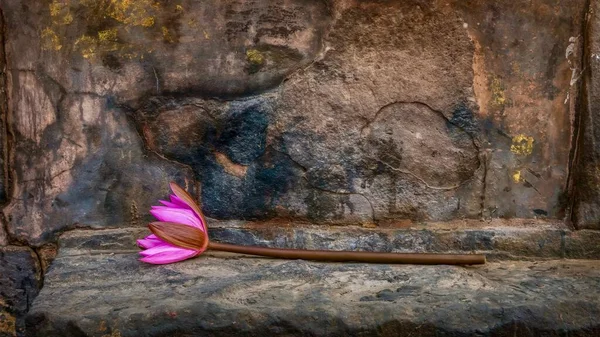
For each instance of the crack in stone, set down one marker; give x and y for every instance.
(407, 172)
(441, 114)
(343, 193)
(9, 138)
(444, 188)
(40, 273)
(147, 148)
(7, 132)
(582, 106)
(319, 56)
(310, 185)
(287, 155)
(48, 179)
(484, 185)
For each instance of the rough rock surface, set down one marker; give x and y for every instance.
(346, 112)
(512, 242)
(95, 290)
(20, 281)
(587, 180)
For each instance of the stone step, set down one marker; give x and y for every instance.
(97, 287)
(498, 239)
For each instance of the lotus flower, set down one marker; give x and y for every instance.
(181, 234)
(181, 223)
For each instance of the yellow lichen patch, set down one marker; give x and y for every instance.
(119, 22)
(193, 23)
(50, 40)
(131, 55)
(498, 94)
(255, 57)
(118, 9)
(67, 19)
(56, 7)
(7, 324)
(167, 36)
(102, 326)
(133, 12)
(60, 13)
(522, 145)
(87, 45)
(114, 333)
(516, 68)
(206, 36)
(108, 35)
(148, 22)
(516, 176)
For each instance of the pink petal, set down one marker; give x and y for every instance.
(167, 254)
(179, 202)
(163, 248)
(150, 243)
(170, 204)
(177, 215)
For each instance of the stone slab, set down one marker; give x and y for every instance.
(97, 290)
(499, 240)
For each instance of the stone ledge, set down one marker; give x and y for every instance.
(499, 240)
(97, 287)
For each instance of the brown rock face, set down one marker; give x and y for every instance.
(587, 182)
(525, 58)
(347, 112)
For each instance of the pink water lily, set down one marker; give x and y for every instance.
(181, 234)
(179, 210)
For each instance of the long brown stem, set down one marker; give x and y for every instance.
(343, 256)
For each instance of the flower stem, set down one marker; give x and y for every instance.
(346, 256)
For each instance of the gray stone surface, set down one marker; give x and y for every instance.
(96, 290)
(20, 281)
(508, 242)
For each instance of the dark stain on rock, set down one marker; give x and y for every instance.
(329, 178)
(19, 285)
(252, 197)
(244, 136)
(539, 212)
(325, 205)
(479, 240)
(236, 29)
(554, 60)
(388, 295)
(463, 118)
(112, 62)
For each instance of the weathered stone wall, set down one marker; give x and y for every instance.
(372, 113)
(331, 112)
(587, 180)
